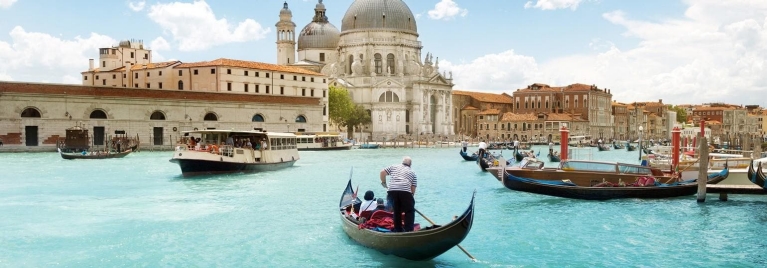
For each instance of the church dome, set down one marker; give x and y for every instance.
(319, 33)
(379, 14)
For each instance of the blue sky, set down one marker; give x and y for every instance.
(681, 51)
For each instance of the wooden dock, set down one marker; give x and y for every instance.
(723, 190)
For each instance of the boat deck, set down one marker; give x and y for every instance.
(723, 190)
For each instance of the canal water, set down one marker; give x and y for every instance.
(139, 211)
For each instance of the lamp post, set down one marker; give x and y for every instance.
(640, 142)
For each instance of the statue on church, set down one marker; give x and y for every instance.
(357, 67)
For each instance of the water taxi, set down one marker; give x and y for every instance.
(321, 142)
(228, 151)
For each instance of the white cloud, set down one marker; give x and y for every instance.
(159, 44)
(195, 27)
(714, 53)
(554, 4)
(446, 10)
(5, 77)
(36, 57)
(137, 6)
(6, 3)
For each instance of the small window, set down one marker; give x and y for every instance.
(282, 91)
(295, 78)
(312, 92)
(228, 86)
(213, 71)
(303, 78)
(282, 76)
(246, 73)
(147, 85)
(135, 75)
(257, 86)
(159, 73)
(267, 75)
(85, 78)
(323, 80)
(258, 118)
(125, 75)
(147, 74)
(303, 92)
(228, 71)
(257, 74)
(246, 87)
(98, 114)
(312, 80)
(104, 82)
(97, 77)
(323, 93)
(180, 85)
(131, 55)
(210, 117)
(267, 89)
(322, 57)
(180, 73)
(135, 85)
(157, 115)
(160, 85)
(195, 72)
(103, 64)
(114, 76)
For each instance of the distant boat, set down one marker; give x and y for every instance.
(321, 142)
(93, 155)
(467, 157)
(368, 146)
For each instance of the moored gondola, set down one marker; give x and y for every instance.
(94, 155)
(424, 244)
(756, 175)
(630, 147)
(638, 189)
(467, 157)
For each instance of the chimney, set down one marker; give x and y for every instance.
(90, 64)
(660, 100)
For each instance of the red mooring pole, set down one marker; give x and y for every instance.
(563, 140)
(675, 134)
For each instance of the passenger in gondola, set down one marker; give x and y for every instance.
(551, 148)
(370, 202)
(380, 205)
(401, 188)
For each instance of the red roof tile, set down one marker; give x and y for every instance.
(490, 112)
(486, 97)
(250, 65)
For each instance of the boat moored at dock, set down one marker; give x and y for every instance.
(321, 142)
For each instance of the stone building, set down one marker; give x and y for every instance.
(468, 105)
(621, 120)
(538, 128)
(378, 58)
(33, 117)
(585, 101)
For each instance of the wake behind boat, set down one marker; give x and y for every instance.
(225, 151)
(424, 244)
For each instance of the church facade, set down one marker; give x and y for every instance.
(378, 58)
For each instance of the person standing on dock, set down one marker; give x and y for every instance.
(401, 188)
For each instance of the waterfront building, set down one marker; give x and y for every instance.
(468, 105)
(580, 100)
(620, 120)
(378, 58)
(656, 124)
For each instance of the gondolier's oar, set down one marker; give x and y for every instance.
(459, 245)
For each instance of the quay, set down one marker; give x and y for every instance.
(723, 190)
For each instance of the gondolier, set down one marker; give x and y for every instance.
(464, 144)
(401, 188)
(551, 147)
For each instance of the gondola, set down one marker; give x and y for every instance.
(424, 244)
(603, 147)
(617, 146)
(94, 155)
(756, 175)
(368, 146)
(630, 147)
(518, 156)
(467, 157)
(553, 158)
(568, 189)
(483, 164)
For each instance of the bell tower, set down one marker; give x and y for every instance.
(286, 37)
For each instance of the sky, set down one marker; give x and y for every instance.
(677, 51)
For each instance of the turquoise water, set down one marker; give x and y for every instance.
(139, 211)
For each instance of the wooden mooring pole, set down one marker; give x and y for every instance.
(703, 164)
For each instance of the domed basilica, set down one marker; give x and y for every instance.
(377, 57)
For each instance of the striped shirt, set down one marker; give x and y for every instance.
(402, 178)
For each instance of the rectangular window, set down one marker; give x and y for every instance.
(85, 78)
(228, 86)
(303, 78)
(282, 76)
(213, 71)
(312, 80)
(180, 73)
(282, 91)
(312, 92)
(160, 73)
(246, 87)
(146, 56)
(135, 85)
(160, 85)
(267, 89)
(246, 73)
(147, 74)
(295, 78)
(125, 76)
(323, 80)
(195, 72)
(147, 85)
(114, 76)
(97, 77)
(104, 82)
(303, 92)
(135, 75)
(267, 75)
(228, 71)
(323, 93)
(257, 86)
(103, 64)
(131, 55)
(322, 57)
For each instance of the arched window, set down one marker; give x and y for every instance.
(257, 118)
(30, 112)
(157, 115)
(351, 60)
(388, 96)
(300, 119)
(210, 117)
(390, 63)
(98, 114)
(180, 85)
(378, 63)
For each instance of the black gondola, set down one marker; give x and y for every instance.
(630, 147)
(617, 146)
(603, 147)
(467, 157)
(553, 158)
(518, 156)
(568, 189)
(756, 175)
(424, 244)
(94, 155)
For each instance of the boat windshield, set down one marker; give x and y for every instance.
(630, 169)
(587, 166)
